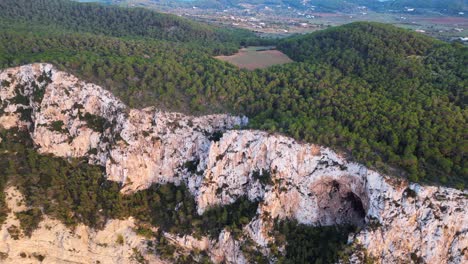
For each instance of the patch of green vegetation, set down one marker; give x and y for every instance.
(309, 244)
(93, 151)
(96, 123)
(172, 253)
(357, 250)
(29, 220)
(38, 256)
(4, 210)
(38, 94)
(263, 176)
(138, 257)
(373, 223)
(251, 252)
(173, 209)
(72, 192)
(45, 77)
(164, 248)
(145, 232)
(233, 217)
(377, 102)
(192, 165)
(57, 126)
(120, 239)
(5, 83)
(20, 98)
(410, 193)
(14, 232)
(26, 114)
(416, 259)
(216, 136)
(3, 255)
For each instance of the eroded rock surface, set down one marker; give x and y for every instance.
(312, 184)
(52, 242)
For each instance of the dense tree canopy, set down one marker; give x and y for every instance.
(406, 94)
(306, 244)
(385, 95)
(116, 21)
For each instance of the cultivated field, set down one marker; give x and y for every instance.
(252, 58)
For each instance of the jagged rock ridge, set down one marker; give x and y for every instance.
(312, 184)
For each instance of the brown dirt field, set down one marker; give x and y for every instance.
(328, 15)
(447, 20)
(253, 59)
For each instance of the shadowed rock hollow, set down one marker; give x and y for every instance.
(338, 203)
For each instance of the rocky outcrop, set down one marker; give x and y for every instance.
(52, 242)
(71, 118)
(224, 249)
(429, 224)
(399, 221)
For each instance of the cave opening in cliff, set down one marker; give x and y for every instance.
(340, 202)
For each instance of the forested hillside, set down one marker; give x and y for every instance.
(115, 21)
(141, 72)
(411, 100)
(451, 6)
(385, 95)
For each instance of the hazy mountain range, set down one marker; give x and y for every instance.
(331, 5)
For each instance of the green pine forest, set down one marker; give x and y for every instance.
(392, 99)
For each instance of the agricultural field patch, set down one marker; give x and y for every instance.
(252, 58)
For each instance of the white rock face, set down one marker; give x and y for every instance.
(306, 182)
(432, 225)
(225, 249)
(78, 119)
(58, 244)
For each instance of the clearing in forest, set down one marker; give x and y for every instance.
(252, 58)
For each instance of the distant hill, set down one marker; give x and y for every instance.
(115, 21)
(455, 5)
(339, 5)
(402, 71)
(363, 39)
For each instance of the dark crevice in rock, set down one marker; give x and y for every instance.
(340, 202)
(356, 204)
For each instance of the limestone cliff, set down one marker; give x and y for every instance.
(219, 163)
(52, 242)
